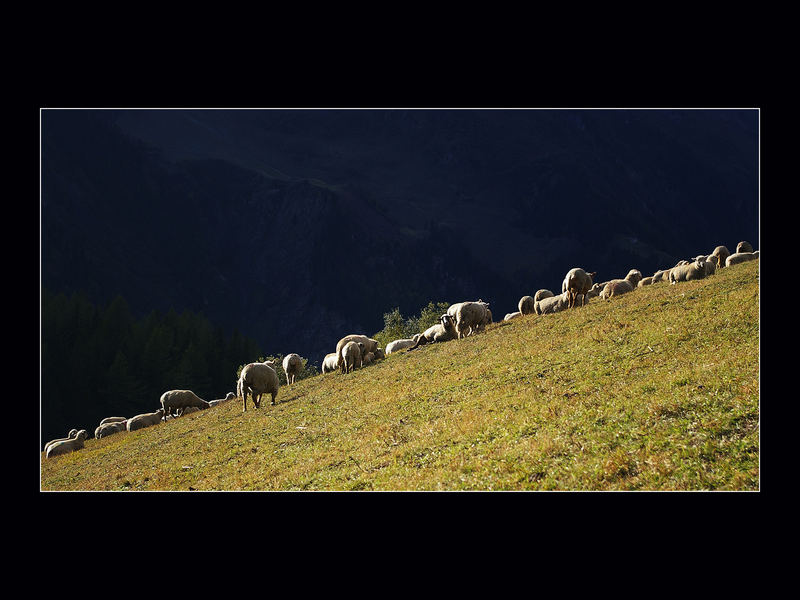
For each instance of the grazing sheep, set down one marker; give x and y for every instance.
(577, 282)
(107, 429)
(595, 290)
(292, 365)
(402, 343)
(329, 363)
(722, 253)
(542, 294)
(352, 355)
(380, 354)
(113, 420)
(443, 331)
(695, 270)
(645, 281)
(368, 358)
(743, 247)
(554, 304)
(525, 305)
(70, 436)
(471, 317)
(740, 257)
(67, 446)
(174, 400)
(370, 345)
(513, 315)
(186, 411)
(145, 420)
(228, 396)
(258, 378)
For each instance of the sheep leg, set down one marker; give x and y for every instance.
(274, 394)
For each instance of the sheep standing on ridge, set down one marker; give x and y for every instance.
(174, 400)
(722, 253)
(258, 379)
(113, 420)
(352, 355)
(577, 282)
(743, 247)
(471, 317)
(542, 294)
(67, 446)
(70, 436)
(329, 363)
(443, 331)
(525, 305)
(145, 420)
(292, 365)
(370, 345)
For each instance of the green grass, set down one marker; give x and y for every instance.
(654, 390)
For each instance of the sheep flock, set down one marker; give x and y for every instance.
(357, 351)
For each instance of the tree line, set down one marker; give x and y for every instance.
(101, 361)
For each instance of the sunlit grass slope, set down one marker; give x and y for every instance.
(654, 390)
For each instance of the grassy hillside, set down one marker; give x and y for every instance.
(655, 390)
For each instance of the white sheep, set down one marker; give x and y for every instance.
(402, 343)
(370, 345)
(443, 331)
(661, 275)
(330, 363)
(174, 400)
(542, 294)
(722, 253)
(554, 304)
(67, 446)
(513, 315)
(577, 282)
(113, 420)
(145, 420)
(525, 305)
(228, 396)
(257, 379)
(292, 365)
(645, 281)
(112, 427)
(352, 356)
(616, 287)
(740, 257)
(688, 272)
(471, 317)
(743, 247)
(70, 436)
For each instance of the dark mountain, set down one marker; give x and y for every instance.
(297, 227)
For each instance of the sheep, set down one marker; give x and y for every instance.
(70, 436)
(107, 429)
(645, 281)
(661, 275)
(174, 400)
(616, 287)
(695, 270)
(258, 378)
(525, 305)
(577, 282)
(292, 365)
(145, 420)
(113, 420)
(186, 411)
(370, 345)
(67, 446)
(379, 354)
(542, 294)
(513, 315)
(740, 257)
(722, 253)
(228, 396)
(329, 363)
(595, 290)
(402, 343)
(368, 358)
(554, 304)
(471, 317)
(443, 331)
(743, 247)
(352, 355)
